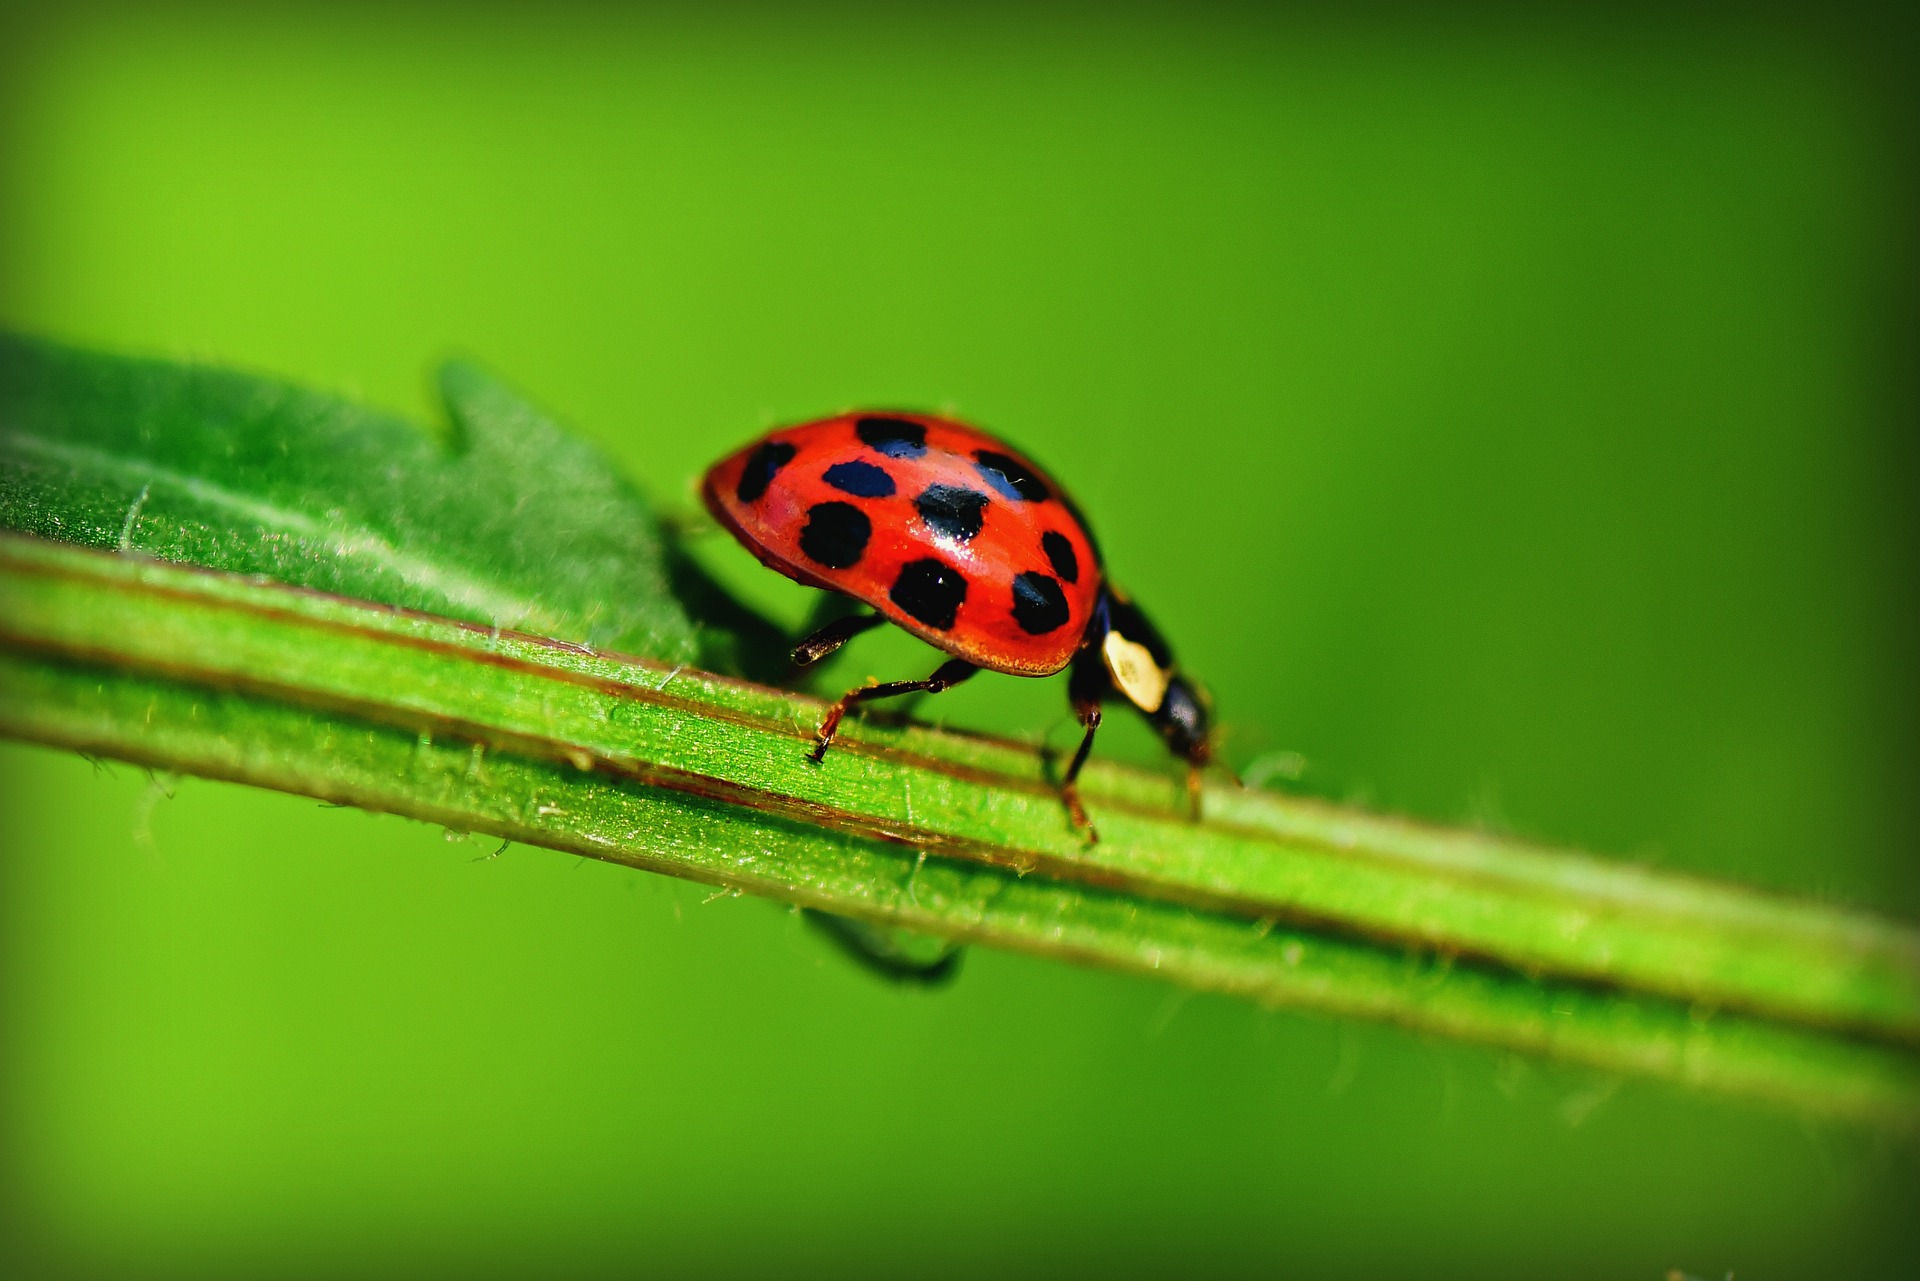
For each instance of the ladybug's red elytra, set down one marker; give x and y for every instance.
(956, 537)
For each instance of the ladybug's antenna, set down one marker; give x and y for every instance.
(1197, 770)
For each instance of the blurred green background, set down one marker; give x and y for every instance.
(1511, 417)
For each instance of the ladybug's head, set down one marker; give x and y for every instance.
(1185, 721)
(1140, 664)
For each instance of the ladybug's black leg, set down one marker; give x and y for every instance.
(1088, 687)
(833, 636)
(1089, 714)
(951, 673)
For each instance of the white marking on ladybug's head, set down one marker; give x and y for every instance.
(1134, 672)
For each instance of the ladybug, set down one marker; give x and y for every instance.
(955, 536)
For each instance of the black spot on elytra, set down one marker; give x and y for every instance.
(761, 466)
(930, 592)
(1060, 554)
(836, 535)
(862, 480)
(952, 510)
(1039, 605)
(894, 437)
(1010, 476)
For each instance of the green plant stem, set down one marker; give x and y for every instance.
(677, 771)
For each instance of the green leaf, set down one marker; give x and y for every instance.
(648, 761)
(505, 520)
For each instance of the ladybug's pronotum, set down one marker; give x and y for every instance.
(954, 536)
